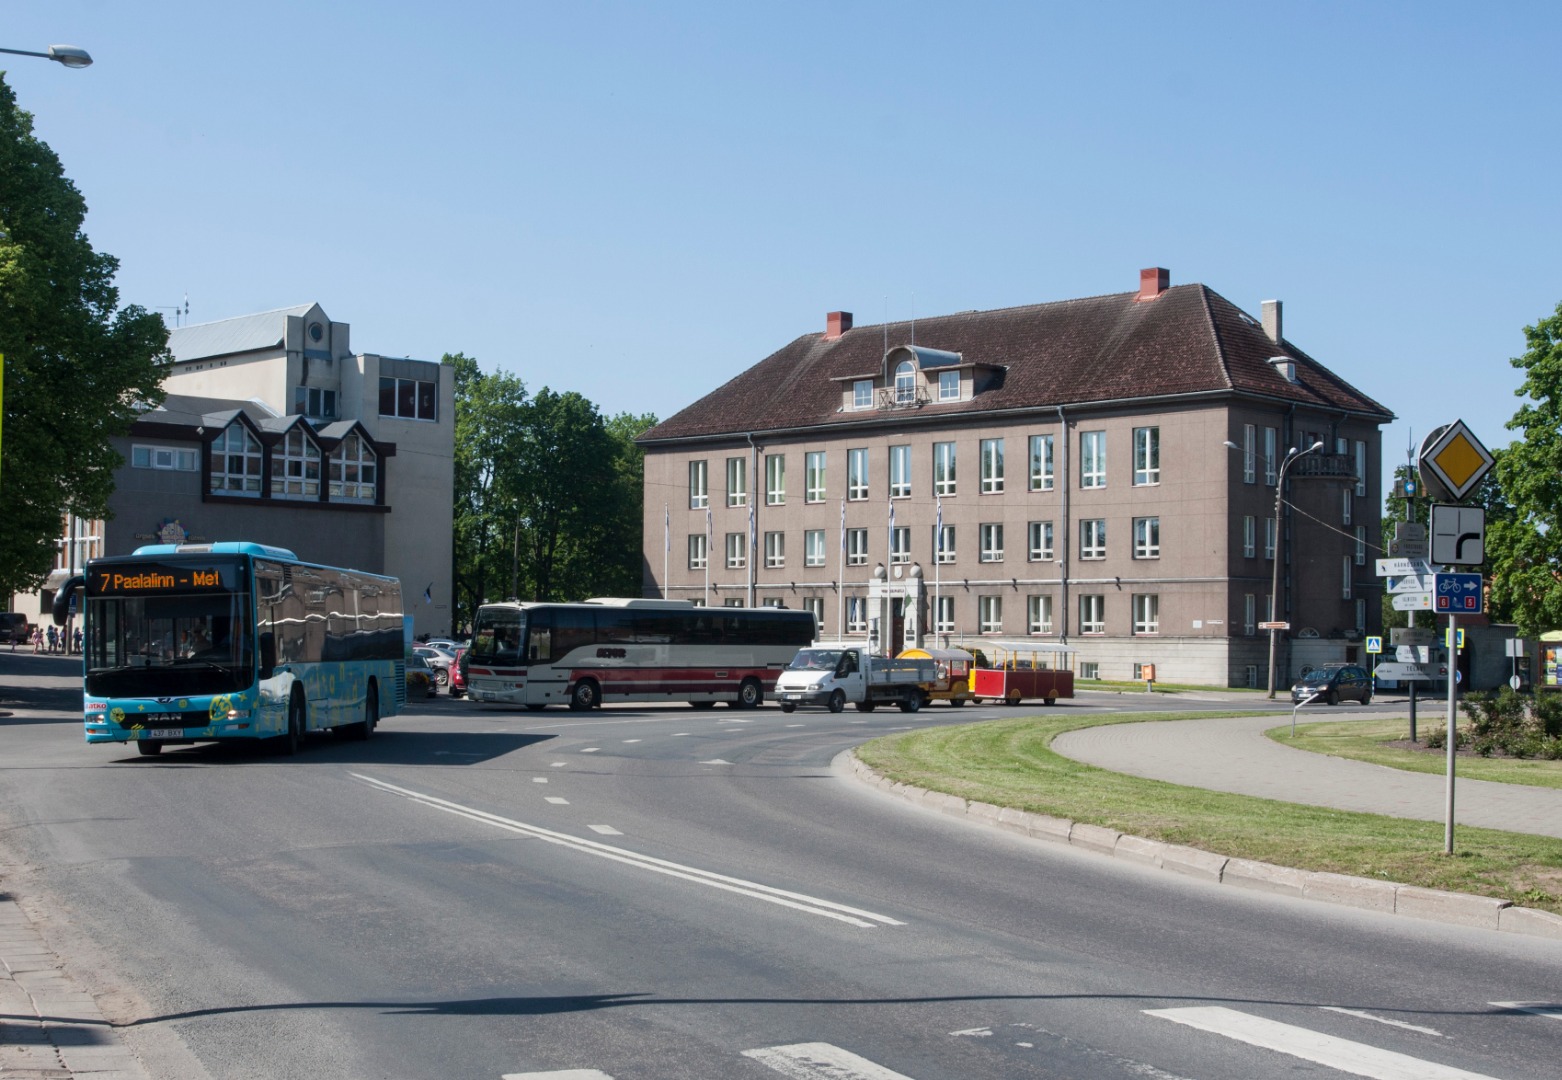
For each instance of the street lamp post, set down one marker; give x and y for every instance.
(68, 55)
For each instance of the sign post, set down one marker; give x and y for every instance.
(1452, 740)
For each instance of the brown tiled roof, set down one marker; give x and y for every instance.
(1188, 340)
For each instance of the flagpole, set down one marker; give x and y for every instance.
(938, 564)
(708, 556)
(840, 592)
(667, 545)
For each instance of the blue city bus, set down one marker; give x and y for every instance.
(195, 642)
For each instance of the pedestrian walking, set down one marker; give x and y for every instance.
(53, 639)
(77, 648)
(37, 640)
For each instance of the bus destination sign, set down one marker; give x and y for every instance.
(159, 578)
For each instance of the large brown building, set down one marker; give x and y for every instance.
(1099, 473)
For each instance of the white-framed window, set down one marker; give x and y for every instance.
(1092, 613)
(775, 549)
(737, 550)
(1361, 468)
(1249, 454)
(699, 551)
(315, 402)
(732, 601)
(1147, 538)
(1348, 569)
(1147, 456)
(944, 615)
(1269, 538)
(1040, 536)
(1249, 614)
(354, 469)
(813, 476)
(991, 534)
(814, 605)
(409, 399)
(944, 546)
(1089, 669)
(1249, 536)
(856, 547)
(1092, 538)
(948, 386)
(737, 481)
(1347, 505)
(989, 614)
(173, 458)
(1041, 473)
(295, 467)
(1038, 614)
(857, 474)
(992, 466)
(1271, 457)
(775, 479)
(699, 486)
(1092, 459)
(1147, 613)
(905, 383)
(943, 468)
(862, 394)
(236, 461)
(813, 547)
(900, 472)
(900, 544)
(856, 614)
(772, 601)
(1361, 545)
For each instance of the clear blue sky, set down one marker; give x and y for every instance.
(638, 201)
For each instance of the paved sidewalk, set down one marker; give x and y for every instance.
(1232, 754)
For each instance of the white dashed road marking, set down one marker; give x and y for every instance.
(555, 800)
(821, 1061)
(716, 761)
(567, 1074)
(605, 830)
(810, 905)
(591, 750)
(1383, 1020)
(539, 779)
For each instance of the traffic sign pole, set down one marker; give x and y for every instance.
(1451, 738)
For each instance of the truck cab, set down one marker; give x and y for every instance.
(823, 676)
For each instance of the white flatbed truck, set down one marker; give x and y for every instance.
(832, 676)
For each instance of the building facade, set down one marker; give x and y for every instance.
(1098, 473)
(275, 431)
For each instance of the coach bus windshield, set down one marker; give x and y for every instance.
(163, 631)
(497, 637)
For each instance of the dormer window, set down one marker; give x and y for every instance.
(948, 386)
(353, 471)
(295, 467)
(862, 394)
(236, 462)
(905, 383)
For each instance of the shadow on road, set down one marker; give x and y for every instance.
(325, 748)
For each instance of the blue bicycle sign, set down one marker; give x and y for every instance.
(1457, 594)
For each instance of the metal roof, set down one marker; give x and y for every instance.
(246, 333)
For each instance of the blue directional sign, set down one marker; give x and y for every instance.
(1457, 594)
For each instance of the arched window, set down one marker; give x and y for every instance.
(354, 470)
(905, 383)
(236, 461)
(295, 467)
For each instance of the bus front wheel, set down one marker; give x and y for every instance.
(585, 696)
(148, 747)
(750, 694)
(371, 716)
(293, 738)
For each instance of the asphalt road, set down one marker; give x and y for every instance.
(658, 893)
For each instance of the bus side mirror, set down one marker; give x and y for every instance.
(268, 655)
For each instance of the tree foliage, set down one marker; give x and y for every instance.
(1523, 543)
(76, 364)
(548, 494)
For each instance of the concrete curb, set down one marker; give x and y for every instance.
(49, 1027)
(1459, 909)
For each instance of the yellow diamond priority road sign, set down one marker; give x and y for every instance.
(1455, 459)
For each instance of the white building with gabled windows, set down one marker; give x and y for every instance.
(275, 431)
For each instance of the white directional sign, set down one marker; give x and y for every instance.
(1458, 535)
(1413, 601)
(1413, 654)
(1401, 567)
(1400, 672)
(1410, 583)
(1412, 635)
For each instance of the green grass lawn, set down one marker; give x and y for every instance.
(1363, 740)
(1009, 762)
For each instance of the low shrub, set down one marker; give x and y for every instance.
(1509, 724)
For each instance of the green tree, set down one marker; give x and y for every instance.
(1522, 546)
(77, 366)
(490, 420)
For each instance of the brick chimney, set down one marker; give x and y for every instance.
(1153, 281)
(836, 323)
(1271, 320)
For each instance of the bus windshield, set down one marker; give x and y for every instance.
(498, 635)
(159, 641)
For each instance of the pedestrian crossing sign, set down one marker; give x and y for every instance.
(1374, 643)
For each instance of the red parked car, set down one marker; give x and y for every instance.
(458, 673)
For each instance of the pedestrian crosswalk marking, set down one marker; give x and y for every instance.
(1358, 1059)
(567, 1074)
(820, 1061)
(1536, 1008)
(1383, 1020)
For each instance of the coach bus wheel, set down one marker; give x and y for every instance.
(294, 738)
(750, 694)
(585, 696)
(371, 716)
(837, 701)
(149, 747)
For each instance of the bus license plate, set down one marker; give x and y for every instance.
(164, 733)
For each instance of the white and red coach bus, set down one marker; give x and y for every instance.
(580, 655)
